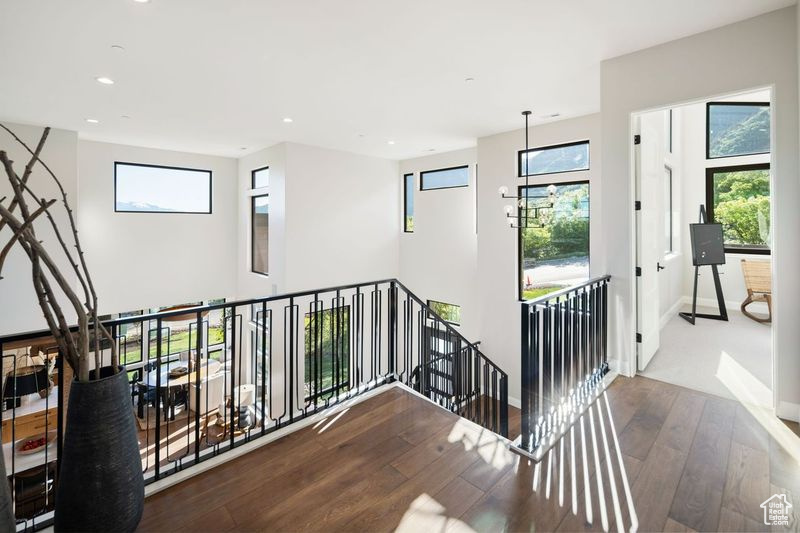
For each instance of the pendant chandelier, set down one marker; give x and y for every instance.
(527, 203)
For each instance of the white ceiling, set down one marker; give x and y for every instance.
(214, 76)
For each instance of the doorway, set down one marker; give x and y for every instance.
(714, 153)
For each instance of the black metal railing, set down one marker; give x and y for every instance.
(564, 359)
(207, 379)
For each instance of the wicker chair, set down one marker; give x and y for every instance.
(758, 281)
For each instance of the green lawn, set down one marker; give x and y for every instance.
(530, 294)
(178, 342)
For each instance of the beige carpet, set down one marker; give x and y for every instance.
(729, 359)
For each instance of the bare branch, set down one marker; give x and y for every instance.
(23, 228)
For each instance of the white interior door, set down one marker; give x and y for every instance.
(650, 186)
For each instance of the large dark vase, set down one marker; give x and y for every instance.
(100, 484)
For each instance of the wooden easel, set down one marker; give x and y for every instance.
(723, 312)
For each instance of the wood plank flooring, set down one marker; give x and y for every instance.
(646, 455)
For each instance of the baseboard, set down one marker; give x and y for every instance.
(758, 307)
(788, 411)
(666, 317)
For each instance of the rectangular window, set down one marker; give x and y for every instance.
(260, 178)
(569, 157)
(554, 245)
(259, 246)
(739, 199)
(448, 312)
(737, 128)
(408, 203)
(668, 244)
(142, 188)
(444, 178)
(669, 131)
(327, 354)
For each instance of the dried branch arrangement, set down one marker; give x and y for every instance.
(18, 213)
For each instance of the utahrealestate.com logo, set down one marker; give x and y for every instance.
(776, 510)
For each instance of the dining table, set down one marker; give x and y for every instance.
(167, 387)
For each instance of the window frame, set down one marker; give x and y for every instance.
(405, 201)
(253, 199)
(433, 171)
(166, 167)
(428, 303)
(587, 142)
(708, 128)
(336, 387)
(253, 178)
(520, 269)
(671, 240)
(710, 171)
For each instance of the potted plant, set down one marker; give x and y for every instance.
(100, 486)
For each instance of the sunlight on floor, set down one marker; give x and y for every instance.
(757, 399)
(489, 446)
(426, 514)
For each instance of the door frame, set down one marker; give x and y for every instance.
(633, 235)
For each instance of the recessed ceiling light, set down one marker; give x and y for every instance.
(431, 149)
(117, 47)
(288, 120)
(390, 142)
(104, 80)
(243, 148)
(141, 1)
(469, 79)
(126, 116)
(92, 121)
(554, 115)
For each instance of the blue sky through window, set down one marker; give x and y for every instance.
(159, 189)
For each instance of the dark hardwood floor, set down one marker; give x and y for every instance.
(646, 454)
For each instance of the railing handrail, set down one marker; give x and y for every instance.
(199, 308)
(566, 290)
(450, 327)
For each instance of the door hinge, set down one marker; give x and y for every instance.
(638, 271)
(637, 205)
(639, 337)
(637, 139)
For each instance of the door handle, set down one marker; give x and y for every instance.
(659, 268)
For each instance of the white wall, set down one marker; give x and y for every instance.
(497, 244)
(694, 194)
(438, 261)
(144, 260)
(754, 53)
(250, 284)
(342, 218)
(19, 310)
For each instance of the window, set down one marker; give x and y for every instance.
(260, 178)
(737, 128)
(155, 189)
(259, 221)
(668, 244)
(445, 178)
(327, 357)
(408, 203)
(569, 157)
(448, 312)
(554, 247)
(669, 131)
(739, 198)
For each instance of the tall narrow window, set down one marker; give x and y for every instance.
(737, 128)
(554, 247)
(327, 353)
(739, 199)
(408, 203)
(259, 218)
(668, 244)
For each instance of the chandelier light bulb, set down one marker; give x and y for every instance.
(552, 190)
(503, 190)
(508, 209)
(521, 203)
